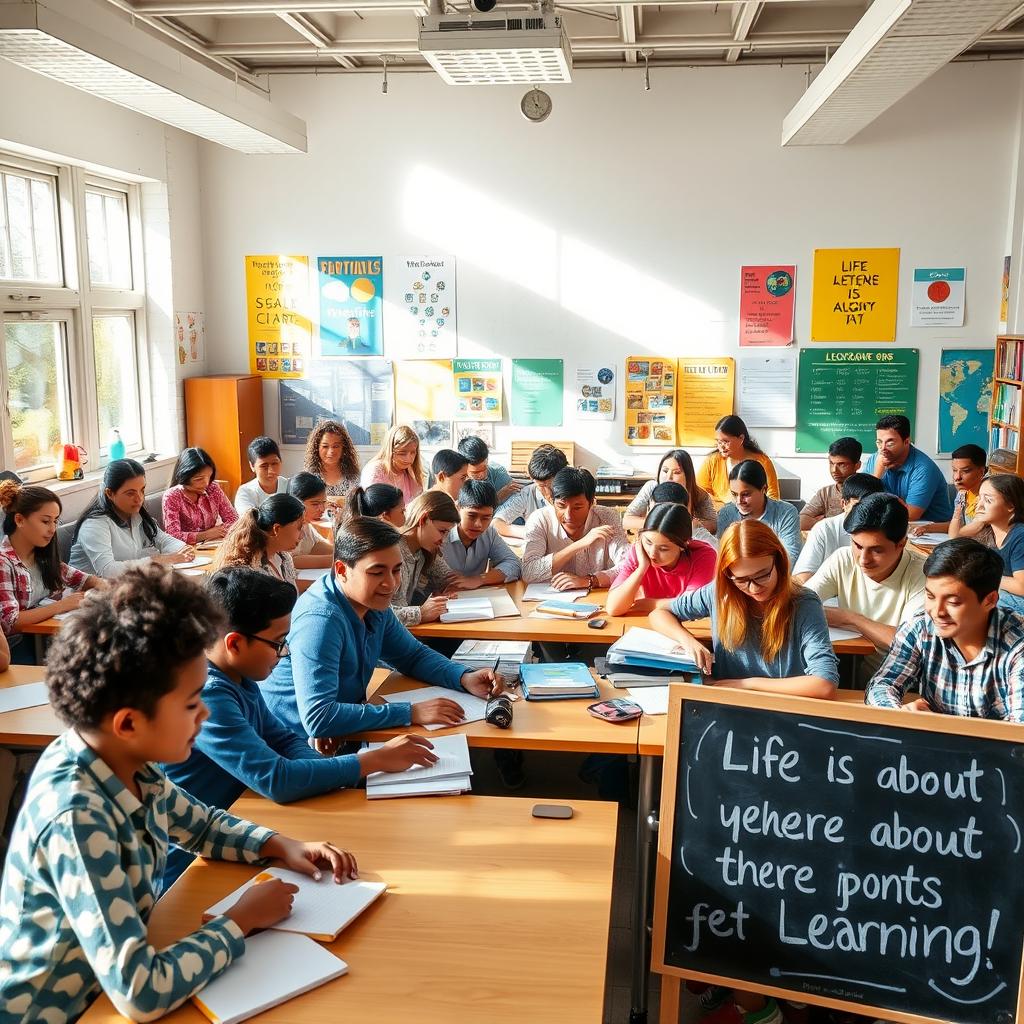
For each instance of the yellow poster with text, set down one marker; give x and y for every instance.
(854, 295)
(277, 303)
(706, 388)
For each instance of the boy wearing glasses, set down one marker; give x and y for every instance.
(907, 472)
(242, 745)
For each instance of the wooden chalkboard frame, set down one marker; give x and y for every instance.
(841, 711)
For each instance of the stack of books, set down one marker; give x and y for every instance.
(558, 681)
(645, 649)
(626, 677)
(509, 655)
(448, 776)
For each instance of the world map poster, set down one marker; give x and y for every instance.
(965, 394)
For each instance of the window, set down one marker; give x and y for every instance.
(110, 257)
(117, 392)
(29, 245)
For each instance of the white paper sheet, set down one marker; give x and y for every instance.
(28, 695)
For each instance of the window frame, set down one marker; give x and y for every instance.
(20, 166)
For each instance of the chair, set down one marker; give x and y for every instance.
(155, 506)
(65, 536)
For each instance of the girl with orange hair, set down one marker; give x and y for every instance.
(768, 632)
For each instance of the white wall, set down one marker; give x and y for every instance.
(620, 224)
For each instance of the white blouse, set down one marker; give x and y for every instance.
(105, 549)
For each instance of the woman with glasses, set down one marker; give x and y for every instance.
(733, 445)
(769, 633)
(748, 491)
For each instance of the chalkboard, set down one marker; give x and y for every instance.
(843, 392)
(880, 866)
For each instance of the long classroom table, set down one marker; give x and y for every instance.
(30, 727)
(490, 915)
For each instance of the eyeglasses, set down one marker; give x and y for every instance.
(280, 646)
(750, 582)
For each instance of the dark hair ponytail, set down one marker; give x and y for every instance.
(17, 500)
(672, 521)
(115, 476)
(374, 501)
(306, 485)
(246, 541)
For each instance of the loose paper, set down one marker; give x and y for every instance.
(767, 391)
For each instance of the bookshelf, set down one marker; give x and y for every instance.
(1005, 414)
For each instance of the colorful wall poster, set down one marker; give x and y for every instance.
(420, 308)
(595, 393)
(1004, 294)
(854, 295)
(965, 396)
(357, 392)
(277, 306)
(477, 389)
(766, 391)
(938, 297)
(423, 399)
(705, 396)
(767, 305)
(650, 400)
(351, 304)
(485, 431)
(537, 386)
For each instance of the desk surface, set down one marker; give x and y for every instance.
(562, 725)
(480, 894)
(30, 727)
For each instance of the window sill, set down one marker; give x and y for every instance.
(90, 482)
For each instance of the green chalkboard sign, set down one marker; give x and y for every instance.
(843, 392)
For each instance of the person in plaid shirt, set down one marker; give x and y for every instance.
(30, 567)
(194, 506)
(964, 654)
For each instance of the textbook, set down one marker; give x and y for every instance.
(467, 609)
(320, 910)
(567, 609)
(454, 785)
(558, 680)
(623, 676)
(509, 654)
(645, 647)
(277, 966)
(452, 762)
(473, 707)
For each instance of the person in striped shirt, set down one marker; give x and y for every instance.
(964, 654)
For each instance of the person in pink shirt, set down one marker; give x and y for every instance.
(194, 507)
(663, 563)
(397, 463)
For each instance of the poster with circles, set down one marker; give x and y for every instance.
(351, 295)
(421, 320)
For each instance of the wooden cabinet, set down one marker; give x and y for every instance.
(1005, 450)
(223, 414)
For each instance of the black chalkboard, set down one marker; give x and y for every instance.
(871, 864)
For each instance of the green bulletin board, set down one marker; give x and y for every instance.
(843, 392)
(537, 388)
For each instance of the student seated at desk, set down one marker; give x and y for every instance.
(84, 867)
(481, 468)
(769, 633)
(664, 561)
(968, 469)
(30, 567)
(748, 486)
(450, 470)
(907, 472)
(733, 445)
(312, 551)
(116, 531)
(264, 538)
(1001, 508)
(545, 462)
(574, 542)
(331, 455)
(342, 627)
(878, 580)
(675, 466)
(964, 654)
(242, 745)
(474, 544)
(265, 462)
(843, 461)
(194, 506)
(828, 535)
(378, 501)
(397, 463)
(419, 596)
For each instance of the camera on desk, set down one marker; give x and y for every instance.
(499, 711)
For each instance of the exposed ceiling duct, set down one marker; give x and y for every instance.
(895, 46)
(90, 46)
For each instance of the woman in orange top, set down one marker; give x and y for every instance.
(733, 445)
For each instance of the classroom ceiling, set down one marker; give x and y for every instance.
(253, 38)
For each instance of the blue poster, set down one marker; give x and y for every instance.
(965, 394)
(351, 301)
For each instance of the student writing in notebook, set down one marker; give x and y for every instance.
(83, 872)
(313, 551)
(265, 537)
(426, 576)
(194, 507)
(474, 550)
(242, 745)
(342, 627)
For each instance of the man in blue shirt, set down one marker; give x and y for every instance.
(908, 473)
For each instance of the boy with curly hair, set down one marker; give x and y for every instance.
(89, 847)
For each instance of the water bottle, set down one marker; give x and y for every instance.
(116, 445)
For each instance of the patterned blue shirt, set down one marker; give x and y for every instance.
(989, 686)
(81, 878)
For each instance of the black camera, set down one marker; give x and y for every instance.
(499, 711)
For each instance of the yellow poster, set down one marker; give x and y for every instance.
(650, 400)
(705, 395)
(854, 295)
(424, 399)
(278, 302)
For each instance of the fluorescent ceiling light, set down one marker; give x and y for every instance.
(110, 58)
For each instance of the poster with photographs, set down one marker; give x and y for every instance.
(420, 308)
(477, 389)
(650, 400)
(485, 431)
(595, 393)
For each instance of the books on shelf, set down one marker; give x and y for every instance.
(509, 654)
(1006, 404)
(558, 680)
(448, 775)
(645, 647)
(1011, 360)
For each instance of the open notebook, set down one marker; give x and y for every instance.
(276, 967)
(485, 603)
(473, 707)
(320, 909)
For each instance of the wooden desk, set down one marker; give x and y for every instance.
(30, 727)
(554, 725)
(491, 915)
